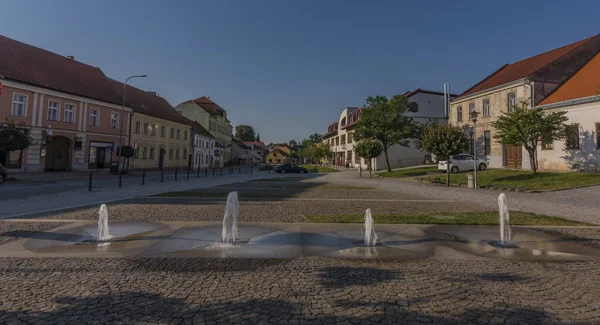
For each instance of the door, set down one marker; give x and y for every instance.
(100, 157)
(514, 156)
(161, 158)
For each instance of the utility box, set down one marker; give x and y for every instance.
(114, 167)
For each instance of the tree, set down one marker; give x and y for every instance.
(321, 151)
(258, 137)
(369, 149)
(445, 141)
(244, 133)
(529, 127)
(15, 137)
(385, 120)
(292, 143)
(314, 138)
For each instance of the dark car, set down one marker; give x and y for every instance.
(290, 168)
(3, 174)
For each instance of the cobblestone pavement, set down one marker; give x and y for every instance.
(317, 291)
(10, 231)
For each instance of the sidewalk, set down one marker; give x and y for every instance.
(81, 198)
(55, 176)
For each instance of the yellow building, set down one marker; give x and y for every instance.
(160, 136)
(277, 156)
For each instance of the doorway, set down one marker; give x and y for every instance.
(514, 156)
(161, 158)
(58, 154)
(100, 157)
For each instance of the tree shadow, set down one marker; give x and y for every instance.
(587, 157)
(340, 277)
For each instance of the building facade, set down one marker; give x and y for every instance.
(204, 147)
(340, 134)
(258, 151)
(241, 153)
(542, 81)
(277, 156)
(74, 117)
(213, 118)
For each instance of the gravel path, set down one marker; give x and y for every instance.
(10, 230)
(301, 291)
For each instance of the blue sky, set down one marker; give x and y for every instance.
(288, 68)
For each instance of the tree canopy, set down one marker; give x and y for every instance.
(445, 141)
(369, 149)
(386, 120)
(315, 138)
(14, 137)
(245, 133)
(258, 137)
(529, 128)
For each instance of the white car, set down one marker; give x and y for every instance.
(461, 163)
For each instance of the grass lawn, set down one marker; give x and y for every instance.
(319, 169)
(408, 172)
(224, 195)
(469, 218)
(528, 180)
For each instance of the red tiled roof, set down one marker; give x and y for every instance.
(35, 66)
(583, 84)
(256, 143)
(523, 68)
(147, 103)
(208, 105)
(283, 153)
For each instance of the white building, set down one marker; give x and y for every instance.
(204, 148)
(257, 151)
(340, 133)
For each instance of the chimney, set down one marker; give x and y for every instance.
(70, 57)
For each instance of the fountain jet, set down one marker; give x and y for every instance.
(370, 235)
(103, 231)
(232, 211)
(505, 233)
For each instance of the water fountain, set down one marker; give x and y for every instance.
(232, 211)
(505, 233)
(370, 235)
(103, 231)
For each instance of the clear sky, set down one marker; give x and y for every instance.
(288, 68)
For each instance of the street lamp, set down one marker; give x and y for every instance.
(473, 116)
(122, 118)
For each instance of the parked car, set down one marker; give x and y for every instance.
(290, 168)
(461, 163)
(3, 174)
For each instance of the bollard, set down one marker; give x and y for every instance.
(221, 171)
(90, 184)
(162, 175)
(143, 177)
(120, 179)
(206, 172)
(176, 170)
(188, 173)
(198, 176)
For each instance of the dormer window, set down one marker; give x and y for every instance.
(351, 118)
(343, 121)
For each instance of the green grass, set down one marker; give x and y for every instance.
(408, 172)
(224, 195)
(282, 179)
(319, 169)
(469, 218)
(528, 180)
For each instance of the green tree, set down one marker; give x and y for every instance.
(244, 133)
(529, 127)
(15, 137)
(444, 141)
(258, 137)
(369, 149)
(321, 151)
(314, 138)
(386, 120)
(292, 143)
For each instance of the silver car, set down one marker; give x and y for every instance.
(461, 163)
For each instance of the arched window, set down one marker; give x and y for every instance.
(343, 121)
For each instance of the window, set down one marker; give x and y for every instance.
(184, 154)
(184, 135)
(178, 133)
(145, 128)
(144, 152)
(94, 115)
(486, 107)
(598, 135)
(211, 145)
(349, 138)
(343, 121)
(512, 101)
(114, 120)
(137, 127)
(53, 110)
(136, 154)
(153, 130)
(573, 137)
(459, 114)
(487, 142)
(547, 144)
(19, 105)
(471, 107)
(171, 153)
(206, 159)
(177, 154)
(162, 131)
(172, 133)
(69, 113)
(151, 153)
(343, 139)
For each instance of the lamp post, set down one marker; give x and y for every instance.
(122, 118)
(473, 116)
